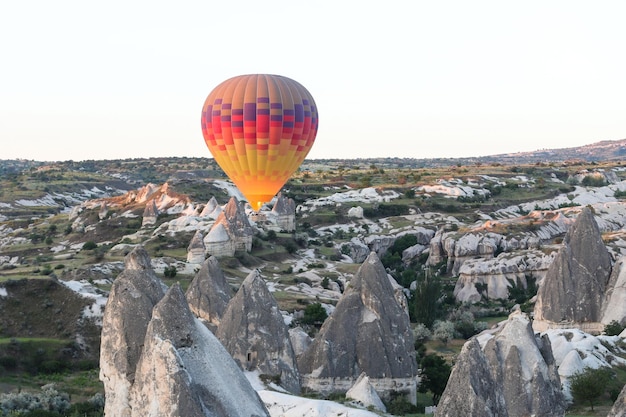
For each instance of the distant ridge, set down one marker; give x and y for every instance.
(603, 151)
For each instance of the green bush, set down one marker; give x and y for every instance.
(169, 271)
(614, 328)
(90, 245)
(314, 314)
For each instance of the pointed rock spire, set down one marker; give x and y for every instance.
(209, 293)
(253, 330)
(182, 368)
(471, 389)
(572, 292)
(128, 311)
(196, 248)
(368, 332)
(512, 374)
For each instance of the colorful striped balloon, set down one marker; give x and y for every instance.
(259, 129)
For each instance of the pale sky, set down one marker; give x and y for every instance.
(424, 79)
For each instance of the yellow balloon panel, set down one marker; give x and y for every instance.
(259, 128)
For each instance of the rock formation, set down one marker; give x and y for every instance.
(456, 248)
(212, 209)
(185, 372)
(619, 407)
(363, 393)
(369, 332)
(133, 295)
(509, 372)
(150, 214)
(104, 211)
(284, 213)
(231, 231)
(471, 389)
(209, 293)
(157, 359)
(253, 331)
(499, 274)
(196, 249)
(573, 290)
(614, 305)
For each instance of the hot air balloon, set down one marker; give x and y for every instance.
(259, 128)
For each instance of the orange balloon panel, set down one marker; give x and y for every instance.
(259, 129)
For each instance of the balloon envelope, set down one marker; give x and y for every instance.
(259, 128)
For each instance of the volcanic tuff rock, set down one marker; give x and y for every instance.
(368, 332)
(284, 211)
(573, 289)
(209, 293)
(150, 214)
(231, 231)
(185, 372)
(457, 248)
(253, 331)
(508, 373)
(158, 360)
(500, 274)
(619, 407)
(128, 311)
(471, 389)
(614, 305)
(196, 249)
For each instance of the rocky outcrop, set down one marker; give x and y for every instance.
(573, 290)
(209, 293)
(619, 407)
(185, 372)
(253, 331)
(358, 250)
(369, 332)
(157, 359)
(508, 372)
(150, 214)
(365, 395)
(196, 249)
(455, 248)
(614, 304)
(133, 295)
(284, 213)
(212, 209)
(471, 388)
(231, 231)
(494, 277)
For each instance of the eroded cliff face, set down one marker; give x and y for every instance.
(185, 372)
(133, 295)
(253, 331)
(573, 290)
(157, 359)
(369, 332)
(508, 372)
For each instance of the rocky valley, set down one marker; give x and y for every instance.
(347, 292)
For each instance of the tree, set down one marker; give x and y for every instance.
(435, 374)
(588, 385)
(444, 331)
(427, 294)
(314, 314)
